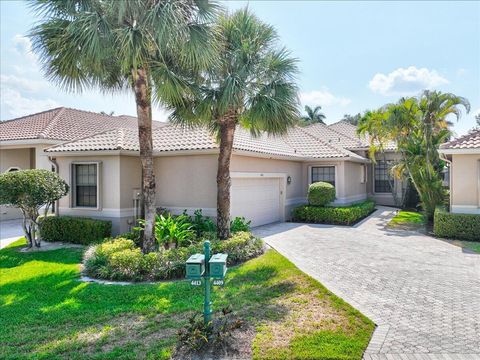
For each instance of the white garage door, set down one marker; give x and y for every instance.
(257, 199)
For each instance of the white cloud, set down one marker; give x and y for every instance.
(21, 83)
(323, 98)
(23, 46)
(17, 105)
(406, 81)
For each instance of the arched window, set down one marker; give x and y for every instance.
(13, 168)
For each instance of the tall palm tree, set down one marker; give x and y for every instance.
(140, 46)
(313, 115)
(418, 125)
(252, 86)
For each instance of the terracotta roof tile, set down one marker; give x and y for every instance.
(88, 131)
(63, 124)
(297, 143)
(469, 141)
(349, 130)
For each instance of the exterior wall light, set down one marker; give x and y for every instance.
(289, 179)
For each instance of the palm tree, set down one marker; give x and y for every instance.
(141, 46)
(313, 115)
(252, 86)
(418, 125)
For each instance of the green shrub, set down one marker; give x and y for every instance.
(202, 224)
(171, 231)
(321, 193)
(347, 215)
(456, 226)
(120, 259)
(75, 230)
(239, 224)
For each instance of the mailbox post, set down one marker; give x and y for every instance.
(205, 267)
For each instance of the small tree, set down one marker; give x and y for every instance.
(31, 191)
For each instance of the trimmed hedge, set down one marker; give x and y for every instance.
(76, 230)
(120, 259)
(457, 226)
(321, 193)
(347, 215)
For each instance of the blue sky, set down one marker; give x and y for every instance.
(353, 56)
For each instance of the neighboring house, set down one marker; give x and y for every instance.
(98, 156)
(463, 154)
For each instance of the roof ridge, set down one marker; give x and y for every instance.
(85, 137)
(29, 115)
(53, 121)
(341, 149)
(347, 136)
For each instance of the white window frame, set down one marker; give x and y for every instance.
(13, 168)
(74, 186)
(310, 168)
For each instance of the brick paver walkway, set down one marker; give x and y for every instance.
(423, 293)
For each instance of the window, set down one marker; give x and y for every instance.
(323, 173)
(383, 177)
(85, 189)
(13, 168)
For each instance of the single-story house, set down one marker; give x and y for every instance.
(463, 154)
(98, 155)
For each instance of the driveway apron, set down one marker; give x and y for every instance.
(422, 293)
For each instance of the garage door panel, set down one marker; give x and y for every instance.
(257, 199)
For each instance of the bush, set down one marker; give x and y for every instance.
(30, 191)
(321, 193)
(333, 215)
(202, 224)
(457, 226)
(75, 230)
(239, 224)
(171, 231)
(120, 259)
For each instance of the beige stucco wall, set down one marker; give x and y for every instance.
(110, 191)
(355, 187)
(186, 182)
(465, 184)
(348, 180)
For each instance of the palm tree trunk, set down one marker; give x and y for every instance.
(144, 113)
(227, 131)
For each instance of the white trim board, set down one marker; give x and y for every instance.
(465, 209)
(104, 213)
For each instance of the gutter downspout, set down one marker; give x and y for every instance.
(450, 171)
(54, 163)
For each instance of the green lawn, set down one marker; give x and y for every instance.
(470, 245)
(46, 313)
(407, 219)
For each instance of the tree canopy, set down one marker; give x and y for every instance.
(252, 85)
(30, 191)
(418, 125)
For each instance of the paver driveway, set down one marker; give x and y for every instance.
(423, 293)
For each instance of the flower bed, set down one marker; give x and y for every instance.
(347, 215)
(121, 259)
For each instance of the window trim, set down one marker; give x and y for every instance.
(374, 179)
(323, 166)
(74, 185)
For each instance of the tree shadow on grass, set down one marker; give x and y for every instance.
(54, 314)
(12, 257)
